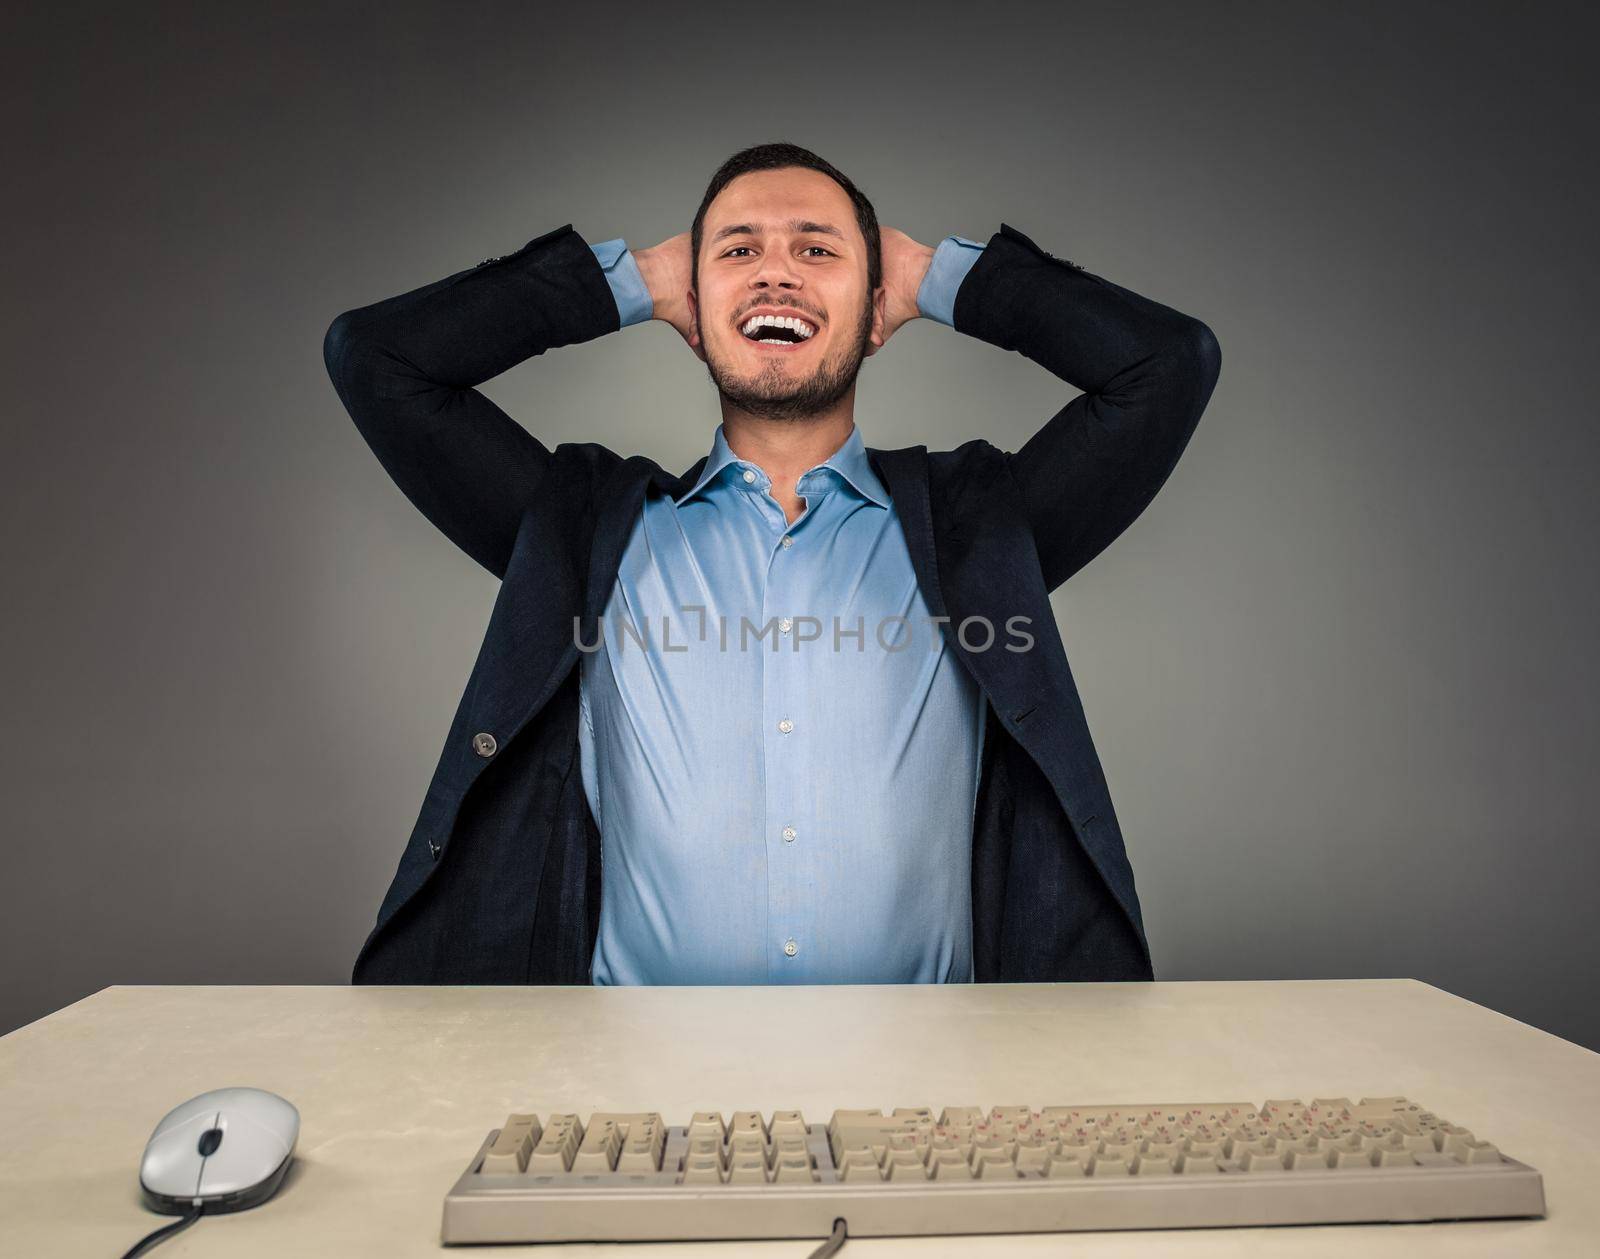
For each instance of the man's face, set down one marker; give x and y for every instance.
(785, 242)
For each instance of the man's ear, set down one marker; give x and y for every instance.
(879, 303)
(695, 342)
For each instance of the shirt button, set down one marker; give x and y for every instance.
(786, 625)
(788, 834)
(787, 540)
(484, 744)
(786, 725)
(749, 477)
(790, 947)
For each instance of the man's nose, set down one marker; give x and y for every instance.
(775, 270)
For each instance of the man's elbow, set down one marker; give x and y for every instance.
(1200, 357)
(1184, 374)
(337, 346)
(1210, 352)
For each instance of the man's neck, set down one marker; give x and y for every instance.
(784, 449)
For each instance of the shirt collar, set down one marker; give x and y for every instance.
(849, 461)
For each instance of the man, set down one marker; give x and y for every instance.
(894, 784)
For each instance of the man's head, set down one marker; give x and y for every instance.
(782, 231)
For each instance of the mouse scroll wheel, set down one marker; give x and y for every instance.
(210, 1139)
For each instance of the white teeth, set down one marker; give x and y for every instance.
(798, 326)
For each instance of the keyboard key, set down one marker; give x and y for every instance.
(747, 1124)
(1453, 1141)
(748, 1169)
(601, 1145)
(557, 1146)
(511, 1148)
(708, 1123)
(703, 1171)
(793, 1170)
(786, 1123)
(747, 1143)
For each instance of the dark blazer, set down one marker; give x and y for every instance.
(500, 880)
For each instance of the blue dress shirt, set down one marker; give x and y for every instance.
(779, 748)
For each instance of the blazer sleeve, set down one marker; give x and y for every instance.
(1146, 372)
(407, 368)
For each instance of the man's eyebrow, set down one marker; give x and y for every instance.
(804, 227)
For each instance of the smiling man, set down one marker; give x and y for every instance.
(802, 714)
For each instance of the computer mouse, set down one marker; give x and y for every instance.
(226, 1150)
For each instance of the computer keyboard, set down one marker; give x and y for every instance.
(1011, 1169)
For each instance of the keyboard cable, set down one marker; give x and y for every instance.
(831, 1246)
(161, 1234)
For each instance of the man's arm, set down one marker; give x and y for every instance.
(407, 368)
(947, 269)
(628, 287)
(1146, 371)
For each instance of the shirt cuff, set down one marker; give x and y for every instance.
(634, 304)
(936, 298)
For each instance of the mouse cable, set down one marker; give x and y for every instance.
(831, 1246)
(161, 1234)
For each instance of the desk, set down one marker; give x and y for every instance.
(397, 1086)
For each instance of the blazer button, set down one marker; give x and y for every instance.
(484, 744)
(434, 849)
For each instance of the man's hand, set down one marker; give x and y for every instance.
(666, 270)
(905, 263)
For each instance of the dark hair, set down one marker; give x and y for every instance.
(777, 157)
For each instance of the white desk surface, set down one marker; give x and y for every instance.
(396, 1087)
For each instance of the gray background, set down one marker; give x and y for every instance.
(1339, 673)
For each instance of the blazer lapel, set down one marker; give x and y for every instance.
(621, 499)
(970, 569)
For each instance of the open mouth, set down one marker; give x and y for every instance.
(778, 332)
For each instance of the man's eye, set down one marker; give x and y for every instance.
(736, 249)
